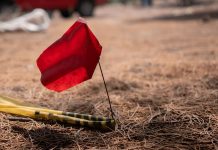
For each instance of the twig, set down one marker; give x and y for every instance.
(21, 119)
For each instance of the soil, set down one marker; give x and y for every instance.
(161, 69)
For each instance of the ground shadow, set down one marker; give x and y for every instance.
(204, 16)
(45, 138)
(177, 133)
(183, 3)
(198, 15)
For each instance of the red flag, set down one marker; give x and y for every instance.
(71, 59)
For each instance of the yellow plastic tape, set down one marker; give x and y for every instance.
(12, 106)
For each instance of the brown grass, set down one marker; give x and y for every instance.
(162, 78)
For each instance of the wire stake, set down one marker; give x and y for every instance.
(109, 100)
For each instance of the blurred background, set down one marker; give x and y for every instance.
(87, 8)
(159, 58)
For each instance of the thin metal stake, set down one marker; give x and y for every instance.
(109, 100)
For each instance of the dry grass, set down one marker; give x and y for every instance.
(162, 77)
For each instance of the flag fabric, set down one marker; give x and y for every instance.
(70, 60)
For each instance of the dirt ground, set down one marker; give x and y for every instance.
(161, 68)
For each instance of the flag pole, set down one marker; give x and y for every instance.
(105, 85)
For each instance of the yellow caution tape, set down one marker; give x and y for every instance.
(12, 106)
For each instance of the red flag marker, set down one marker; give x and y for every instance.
(70, 60)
